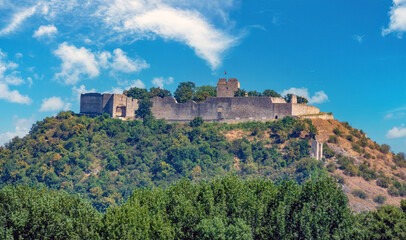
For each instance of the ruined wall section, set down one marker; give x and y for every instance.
(236, 109)
(303, 109)
(91, 103)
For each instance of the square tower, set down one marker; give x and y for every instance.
(227, 89)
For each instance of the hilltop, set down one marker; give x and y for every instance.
(105, 159)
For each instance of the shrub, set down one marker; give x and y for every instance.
(196, 122)
(380, 199)
(356, 147)
(331, 167)
(332, 139)
(350, 138)
(393, 191)
(359, 193)
(338, 132)
(384, 148)
(383, 182)
(327, 151)
(350, 170)
(339, 178)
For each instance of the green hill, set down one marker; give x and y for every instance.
(105, 159)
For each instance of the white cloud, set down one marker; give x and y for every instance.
(48, 30)
(76, 91)
(22, 127)
(318, 97)
(13, 95)
(53, 104)
(18, 19)
(147, 19)
(397, 18)
(125, 64)
(14, 80)
(160, 81)
(76, 62)
(397, 132)
(358, 38)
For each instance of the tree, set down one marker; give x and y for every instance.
(144, 108)
(300, 99)
(29, 213)
(196, 122)
(137, 93)
(240, 93)
(204, 92)
(270, 93)
(159, 92)
(185, 92)
(254, 94)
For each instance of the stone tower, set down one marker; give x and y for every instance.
(317, 150)
(227, 89)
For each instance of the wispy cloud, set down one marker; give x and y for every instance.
(358, 38)
(17, 19)
(161, 81)
(397, 18)
(188, 22)
(318, 97)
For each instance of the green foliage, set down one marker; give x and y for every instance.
(204, 92)
(230, 208)
(331, 167)
(337, 132)
(380, 199)
(359, 193)
(384, 148)
(383, 181)
(104, 159)
(254, 94)
(185, 92)
(137, 93)
(388, 222)
(196, 122)
(327, 151)
(300, 99)
(270, 93)
(29, 213)
(240, 93)
(144, 108)
(332, 139)
(159, 92)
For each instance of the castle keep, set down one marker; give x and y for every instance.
(223, 108)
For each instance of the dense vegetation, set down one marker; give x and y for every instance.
(225, 208)
(106, 159)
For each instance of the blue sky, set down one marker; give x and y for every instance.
(347, 57)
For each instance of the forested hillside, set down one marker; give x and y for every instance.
(106, 159)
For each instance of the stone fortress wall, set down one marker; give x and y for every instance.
(117, 105)
(223, 108)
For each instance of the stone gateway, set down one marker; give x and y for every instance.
(223, 108)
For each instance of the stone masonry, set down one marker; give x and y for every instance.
(223, 108)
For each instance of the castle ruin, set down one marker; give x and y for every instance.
(223, 108)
